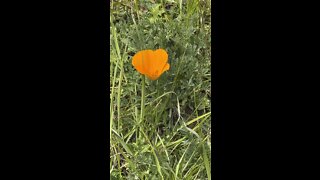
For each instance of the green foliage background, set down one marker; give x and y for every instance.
(176, 138)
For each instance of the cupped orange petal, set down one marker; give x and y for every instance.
(151, 63)
(161, 59)
(166, 68)
(148, 61)
(140, 61)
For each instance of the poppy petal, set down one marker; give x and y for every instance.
(161, 58)
(140, 59)
(148, 61)
(137, 62)
(151, 63)
(166, 67)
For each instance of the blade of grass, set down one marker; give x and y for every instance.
(206, 161)
(164, 147)
(124, 145)
(178, 165)
(114, 33)
(197, 118)
(154, 153)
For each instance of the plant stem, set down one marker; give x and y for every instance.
(142, 97)
(142, 100)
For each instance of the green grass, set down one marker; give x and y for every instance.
(172, 138)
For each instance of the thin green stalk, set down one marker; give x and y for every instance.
(137, 8)
(180, 4)
(112, 90)
(119, 94)
(114, 33)
(111, 97)
(142, 99)
(162, 4)
(206, 161)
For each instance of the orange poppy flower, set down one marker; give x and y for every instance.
(151, 63)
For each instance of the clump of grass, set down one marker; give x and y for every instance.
(173, 140)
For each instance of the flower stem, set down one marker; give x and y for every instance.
(142, 100)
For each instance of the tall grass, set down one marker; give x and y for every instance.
(167, 134)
